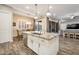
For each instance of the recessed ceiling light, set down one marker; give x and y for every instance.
(27, 7)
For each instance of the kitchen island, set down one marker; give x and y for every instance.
(42, 43)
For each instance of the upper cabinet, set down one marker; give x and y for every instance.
(53, 26)
(50, 25)
(23, 22)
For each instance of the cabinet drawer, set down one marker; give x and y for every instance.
(30, 42)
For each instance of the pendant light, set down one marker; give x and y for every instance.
(48, 12)
(36, 16)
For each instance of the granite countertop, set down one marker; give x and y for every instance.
(47, 36)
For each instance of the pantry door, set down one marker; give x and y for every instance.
(5, 28)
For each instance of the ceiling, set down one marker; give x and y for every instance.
(58, 9)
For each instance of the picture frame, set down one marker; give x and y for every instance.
(14, 23)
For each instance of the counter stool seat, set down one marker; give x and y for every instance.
(76, 35)
(66, 35)
(71, 35)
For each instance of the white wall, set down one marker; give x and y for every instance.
(63, 26)
(5, 24)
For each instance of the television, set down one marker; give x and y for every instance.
(73, 26)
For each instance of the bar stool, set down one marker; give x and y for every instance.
(71, 35)
(19, 35)
(66, 35)
(76, 35)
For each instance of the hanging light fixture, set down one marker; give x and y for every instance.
(36, 16)
(49, 13)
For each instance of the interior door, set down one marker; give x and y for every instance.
(5, 34)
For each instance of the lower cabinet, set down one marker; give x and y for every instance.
(43, 47)
(49, 47)
(33, 43)
(30, 42)
(47, 50)
(35, 47)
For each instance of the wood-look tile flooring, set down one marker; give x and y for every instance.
(15, 48)
(68, 46)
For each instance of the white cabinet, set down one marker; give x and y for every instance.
(30, 42)
(42, 46)
(48, 48)
(45, 50)
(35, 46)
(33, 43)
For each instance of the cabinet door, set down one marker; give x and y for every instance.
(48, 48)
(35, 47)
(43, 49)
(35, 44)
(30, 42)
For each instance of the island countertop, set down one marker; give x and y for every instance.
(46, 35)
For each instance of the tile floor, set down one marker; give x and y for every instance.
(15, 48)
(66, 47)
